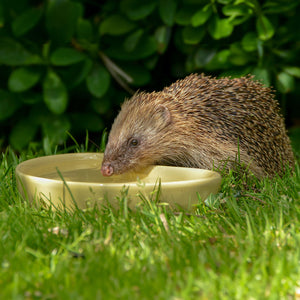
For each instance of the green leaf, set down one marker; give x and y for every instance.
(264, 28)
(138, 73)
(234, 11)
(235, 73)
(27, 20)
(13, 53)
(101, 107)
(22, 133)
(98, 81)
(249, 42)
(238, 56)
(294, 135)
(151, 62)
(279, 7)
(136, 9)
(23, 79)
(162, 35)
(201, 16)
(203, 57)
(225, 2)
(219, 61)
(250, 3)
(192, 35)
(55, 93)
(61, 19)
(223, 56)
(116, 25)
(285, 82)
(56, 128)
(87, 121)
(9, 103)
(293, 71)
(237, 14)
(38, 112)
(73, 75)
(78, 73)
(146, 47)
(167, 10)
(184, 14)
(132, 40)
(2, 20)
(220, 28)
(31, 98)
(85, 30)
(66, 56)
(263, 75)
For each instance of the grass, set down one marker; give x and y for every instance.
(243, 243)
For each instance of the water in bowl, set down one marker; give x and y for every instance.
(91, 176)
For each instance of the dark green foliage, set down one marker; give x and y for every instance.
(67, 65)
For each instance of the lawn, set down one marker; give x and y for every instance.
(243, 243)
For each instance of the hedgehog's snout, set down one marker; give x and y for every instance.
(107, 169)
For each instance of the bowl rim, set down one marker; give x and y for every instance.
(23, 167)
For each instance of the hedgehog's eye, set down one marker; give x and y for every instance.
(133, 142)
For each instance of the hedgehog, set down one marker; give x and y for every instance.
(201, 122)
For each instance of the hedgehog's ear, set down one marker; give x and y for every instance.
(163, 115)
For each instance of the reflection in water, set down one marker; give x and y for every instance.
(93, 176)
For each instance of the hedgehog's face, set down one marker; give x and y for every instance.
(133, 139)
(123, 155)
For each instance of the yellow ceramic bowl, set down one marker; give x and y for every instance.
(62, 179)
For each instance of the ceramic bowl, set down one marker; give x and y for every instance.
(68, 180)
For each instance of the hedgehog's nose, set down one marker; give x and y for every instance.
(107, 169)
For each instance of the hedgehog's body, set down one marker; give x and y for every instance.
(200, 122)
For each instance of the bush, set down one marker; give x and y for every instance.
(66, 65)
